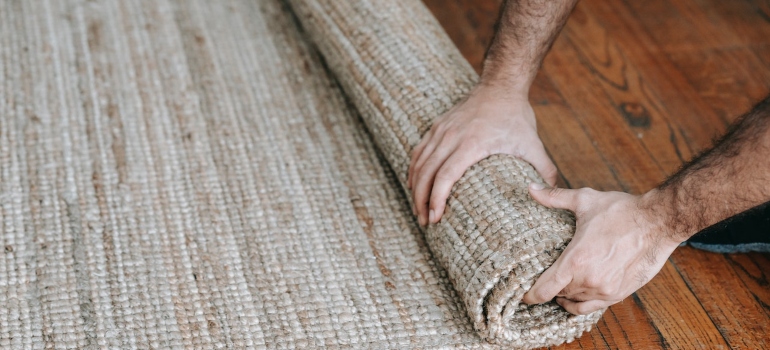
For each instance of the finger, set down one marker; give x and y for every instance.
(418, 184)
(576, 297)
(571, 292)
(426, 154)
(425, 151)
(416, 152)
(426, 177)
(583, 307)
(543, 164)
(554, 197)
(451, 171)
(550, 283)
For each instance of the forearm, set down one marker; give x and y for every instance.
(731, 177)
(526, 31)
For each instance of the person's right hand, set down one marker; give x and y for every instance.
(489, 121)
(621, 242)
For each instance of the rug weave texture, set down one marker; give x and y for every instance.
(401, 71)
(189, 175)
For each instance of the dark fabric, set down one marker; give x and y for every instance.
(748, 231)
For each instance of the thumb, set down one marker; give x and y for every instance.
(554, 197)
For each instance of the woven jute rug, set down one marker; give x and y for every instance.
(228, 174)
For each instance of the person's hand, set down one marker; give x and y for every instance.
(619, 245)
(488, 122)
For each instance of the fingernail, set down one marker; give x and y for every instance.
(422, 220)
(432, 216)
(536, 186)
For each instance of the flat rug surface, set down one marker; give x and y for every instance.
(186, 175)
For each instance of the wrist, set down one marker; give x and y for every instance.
(659, 207)
(499, 94)
(498, 101)
(511, 83)
(513, 78)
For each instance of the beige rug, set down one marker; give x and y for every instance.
(188, 174)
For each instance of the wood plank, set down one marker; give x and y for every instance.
(677, 314)
(483, 15)
(723, 294)
(721, 48)
(570, 147)
(637, 102)
(753, 270)
(624, 326)
(730, 80)
(683, 25)
(763, 52)
(469, 23)
(636, 330)
(749, 20)
(604, 124)
(697, 122)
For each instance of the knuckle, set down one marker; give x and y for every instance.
(450, 133)
(582, 309)
(438, 203)
(416, 180)
(417, 151)
(551, 171)
(583, 195)
(541, 295)
(417, 172)
(555, 192)
(561, 278)
(419, 201)
(451, 172)
(438, 194)
(587, 191)
(606, 290)
(571, 308)
(595, 282)
(577, 262)
(471, 144)
(444, 175)
(433, 166)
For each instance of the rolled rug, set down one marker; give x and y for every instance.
(400, 70)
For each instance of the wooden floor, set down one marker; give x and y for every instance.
(630, 90)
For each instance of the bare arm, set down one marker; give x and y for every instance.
(622, 240)
(723, 181)
(496, 117)
(526, 31)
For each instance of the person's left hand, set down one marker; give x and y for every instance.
(489, 121)
(619, 245)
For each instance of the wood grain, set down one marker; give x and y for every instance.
(712, 277)
(629, 92)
